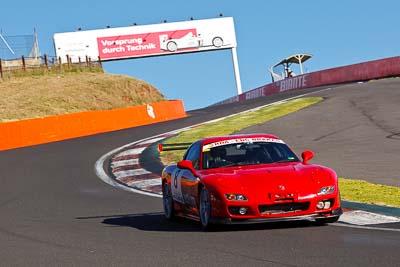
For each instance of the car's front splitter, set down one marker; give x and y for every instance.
(310, 217)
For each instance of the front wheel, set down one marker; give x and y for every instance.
(172, 46)
(217, 42)
(205, 208)
(168, 202)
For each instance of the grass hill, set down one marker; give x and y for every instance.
(53, 94)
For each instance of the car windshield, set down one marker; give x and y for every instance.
(239, 154)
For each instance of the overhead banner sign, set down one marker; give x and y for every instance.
(147, 40)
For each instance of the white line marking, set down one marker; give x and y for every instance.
(122, 174)
(132, 151)
(100, 172)
(360, 217)
(365, 227)
(121, 163)
(151, 141)
(144, 183)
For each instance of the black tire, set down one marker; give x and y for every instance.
(205, 209)
(217, 42)
(172, 46)
(168, 202)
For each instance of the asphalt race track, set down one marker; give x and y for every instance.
(356, 131)
(56, 212)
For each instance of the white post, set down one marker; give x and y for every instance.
(301, 67)
(236, 69)
(300, 59)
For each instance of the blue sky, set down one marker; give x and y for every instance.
(336, 33)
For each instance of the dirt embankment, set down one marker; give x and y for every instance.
(39, 96)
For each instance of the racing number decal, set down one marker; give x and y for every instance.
(176, 186)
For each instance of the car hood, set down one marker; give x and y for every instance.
(295, 178)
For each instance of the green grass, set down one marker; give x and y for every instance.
(235, 123)
(350, 189)
(364, 192)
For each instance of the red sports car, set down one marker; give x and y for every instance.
(248, 178)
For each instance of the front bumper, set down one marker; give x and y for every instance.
(310, 217)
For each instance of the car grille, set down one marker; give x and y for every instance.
(283, 208)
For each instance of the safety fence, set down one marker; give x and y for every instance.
(25, 66)
(377, 69)
(55, 128)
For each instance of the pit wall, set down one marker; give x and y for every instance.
(55, 128)
(376, 69)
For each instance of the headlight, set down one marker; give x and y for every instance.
(326, 190)
(237, 197)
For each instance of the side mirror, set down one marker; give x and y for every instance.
(307, 155)
(187, 164)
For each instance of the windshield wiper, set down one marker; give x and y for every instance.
(285, 160)
(237, 164)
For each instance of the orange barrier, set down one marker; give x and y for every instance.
(55, 128)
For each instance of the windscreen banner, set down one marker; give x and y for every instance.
(148, 40)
